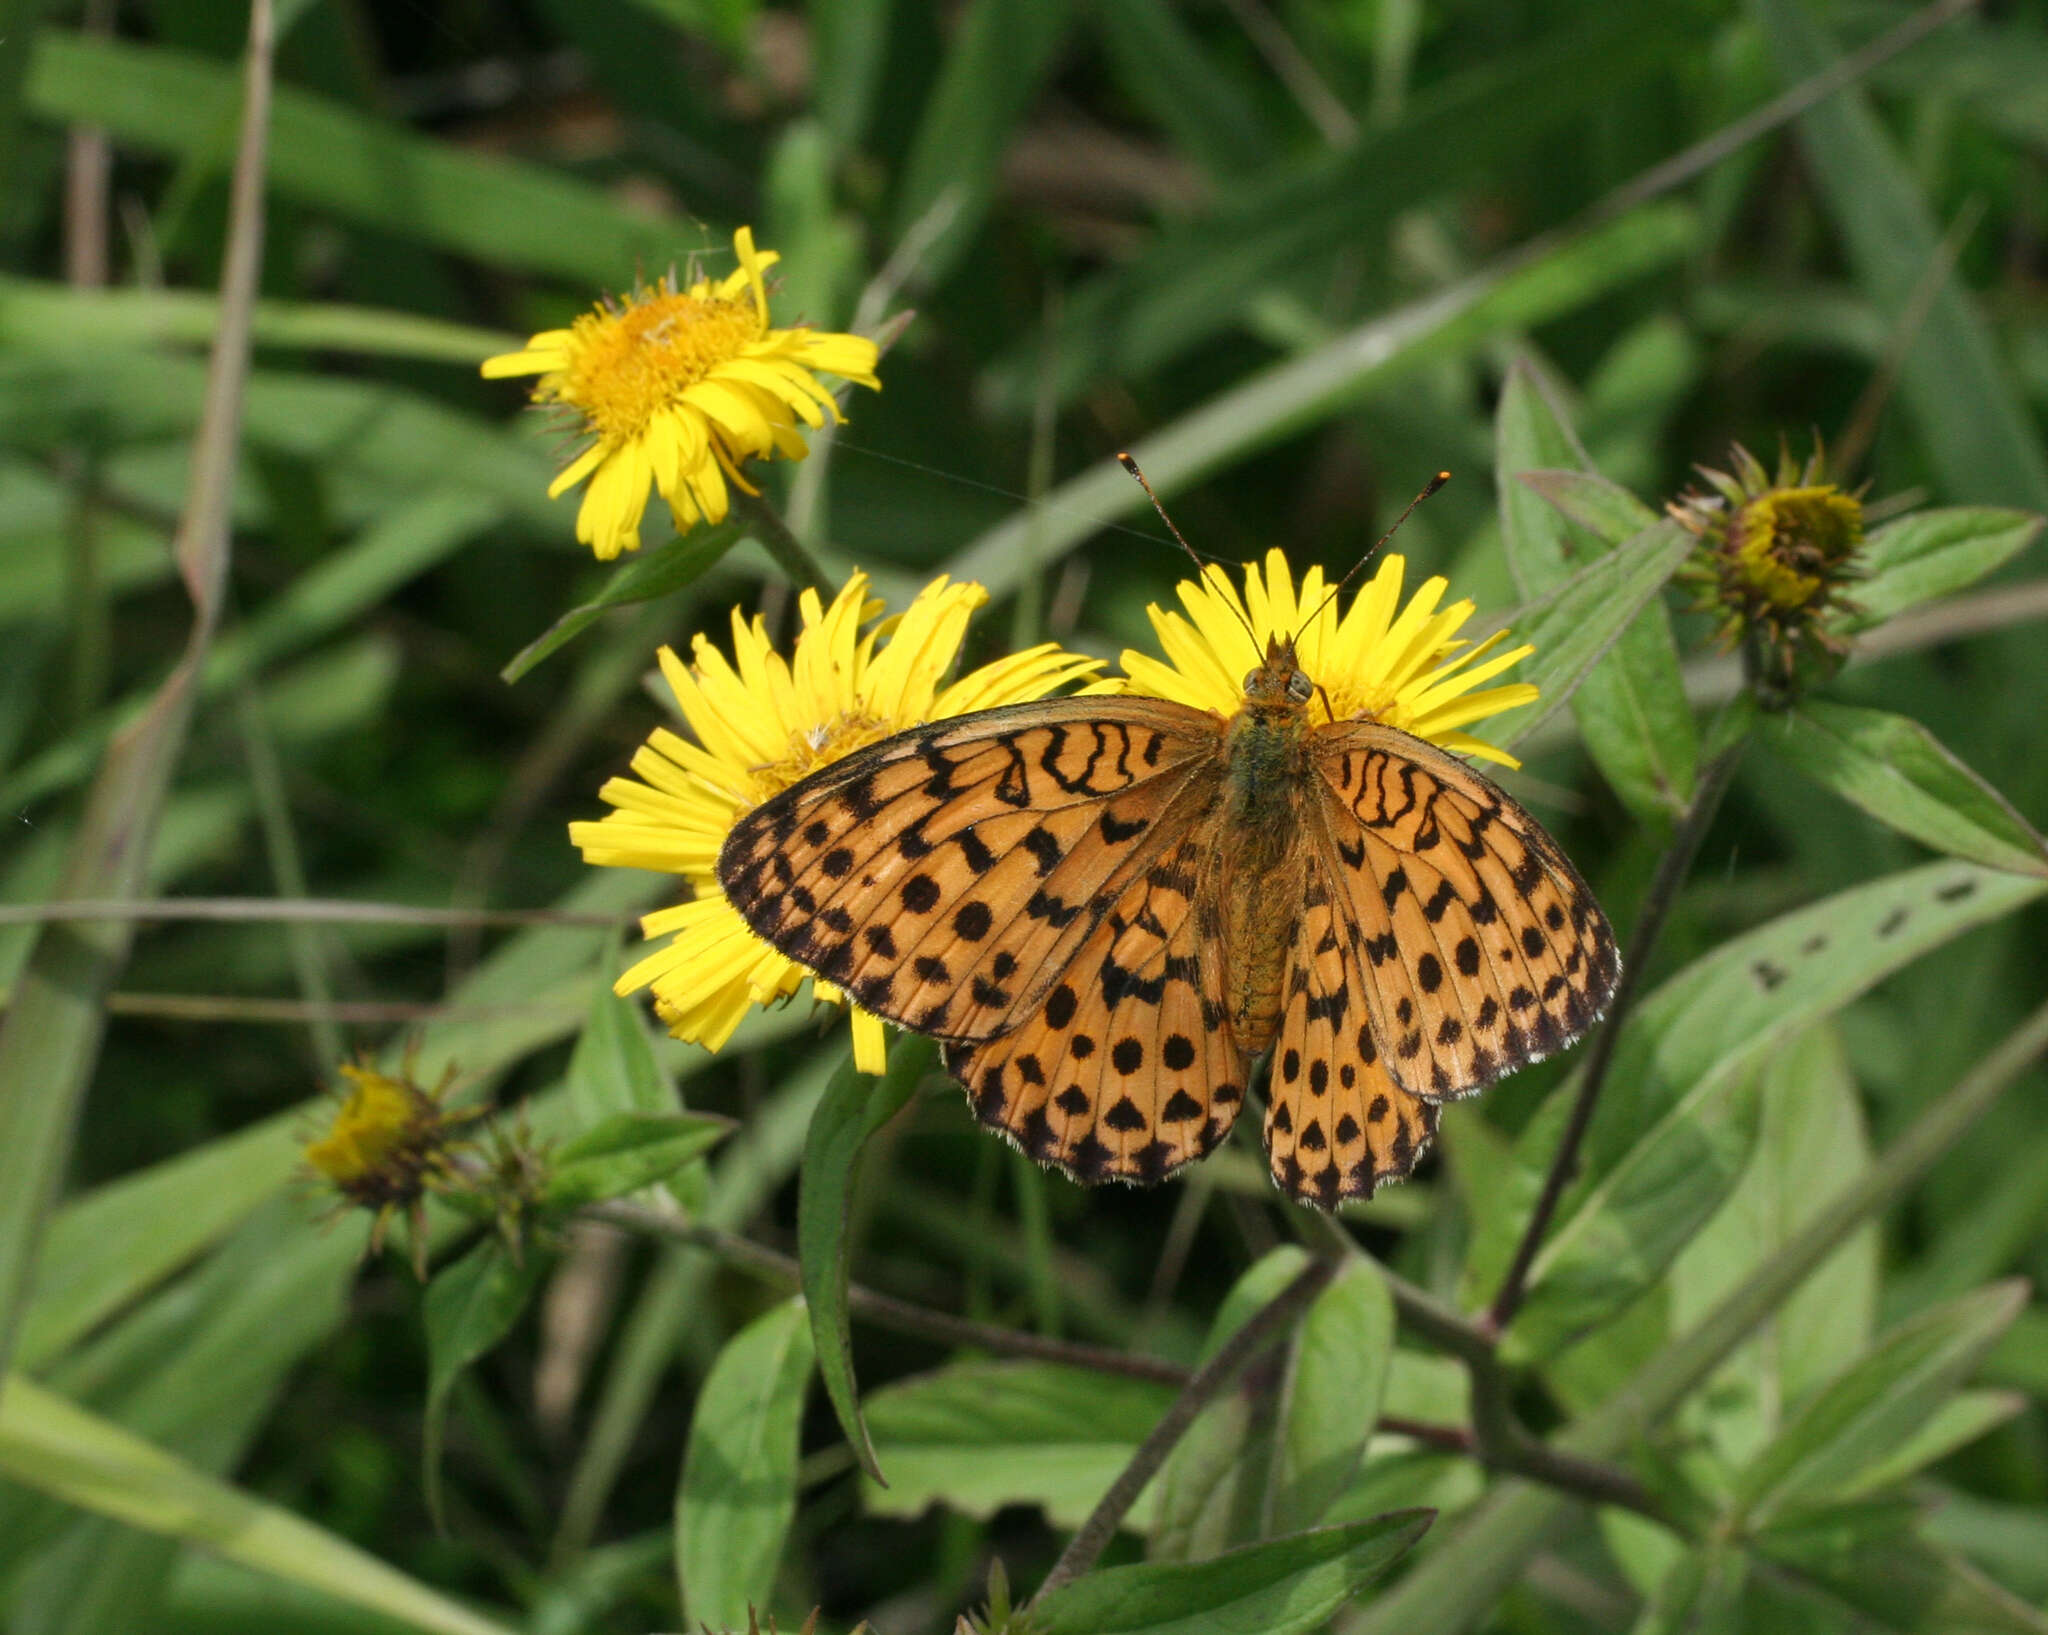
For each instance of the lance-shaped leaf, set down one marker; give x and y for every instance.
(1279, 1587)
(628, 1151)
(854, 1106)
(1336, 1377)
(1930, 554)
(738, 1492)
(1897, 771)
(470, 1307)
(1631, 707)
(976, 1436)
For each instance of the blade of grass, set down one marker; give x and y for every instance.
(50, 1039)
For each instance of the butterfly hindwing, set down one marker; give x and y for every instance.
(944, 876)
(1336, 1124)
(1128, 1069)
(1481, 948)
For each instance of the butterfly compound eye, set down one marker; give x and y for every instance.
(1300, 688)
(1250, 676)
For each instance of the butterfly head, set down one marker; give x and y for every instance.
(1279, 678)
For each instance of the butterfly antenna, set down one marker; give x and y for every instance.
(1428, 489)
(1201, 569)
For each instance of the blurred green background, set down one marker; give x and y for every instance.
(1285, 250)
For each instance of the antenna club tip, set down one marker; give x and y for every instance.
(1124, 459)
(1437, 482)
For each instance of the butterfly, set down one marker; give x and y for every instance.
(1107, 907)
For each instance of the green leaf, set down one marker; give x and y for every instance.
(1215, 1487)
(1604, 509)
(659, 572)
(738, 1492)
(1277, 1588)
(613, 1069)
(59, 1448)
(1933, 553)
(1336, 1377)
(1978, 433)
(1898, 772)
(977, 1436)
(1631, 707)
(853, 1108)
(1898, 1582)
(331, 157)
(470, 1306)
(1691, 1045)
(1876, 1404)
(999, 52)
(629, 1151)
(1575, 623)
(1954, 1425)
(1810, 1145)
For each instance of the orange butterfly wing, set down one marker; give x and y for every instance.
(1479, 947)
(946, 876)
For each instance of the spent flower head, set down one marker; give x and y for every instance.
(760, 722)
(1404, 666)
(1775, 559)
(679, 386)
(389, 1145)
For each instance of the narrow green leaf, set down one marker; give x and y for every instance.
(849, 45)
(59, 1448)
(1898, 772)
(470, 1306)
(1277, 1588)
(1958, 1422)
(1631, 707)
(1276, 403)
(1000, 51)
(659, 572)
(1165, 66)
(1876, 1404)
(853, 1108)
(1933, 553)
(613, 1068)
(1700, 1595)
(1574, 624)
(334, 158)
(1979, 434)
(628, 1151)
(738, 1492)
(1215, 1487)
(1898, 1582)
(1604, 509)
(109, 1245)
(977, 1436)
(1336, 1377)
(1692, 1043)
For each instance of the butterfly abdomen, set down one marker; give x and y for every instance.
(1266, 768)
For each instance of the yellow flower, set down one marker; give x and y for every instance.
(760, 723)
(679, 387)
(1406, 668)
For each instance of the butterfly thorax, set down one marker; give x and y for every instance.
(1266, 772)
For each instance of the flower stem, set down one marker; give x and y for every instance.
(765, 523)
(1663, 893)
(1258, 1330)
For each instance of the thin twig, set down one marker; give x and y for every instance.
(201, 1007)
(886, 1310)
(1258, 1331)
(296, 910)
(1657, 903)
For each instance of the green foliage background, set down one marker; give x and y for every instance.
(1297, 256)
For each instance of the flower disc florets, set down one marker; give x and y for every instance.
(1776, 556)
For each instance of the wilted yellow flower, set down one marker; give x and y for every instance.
(679, 387)
(762, 722)
(391, 1143)
(1406, 668)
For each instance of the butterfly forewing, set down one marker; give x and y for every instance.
(1126, 1070)
(947, 875)
(1480, 947)
(1336, 1123)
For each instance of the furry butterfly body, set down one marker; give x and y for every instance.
(1108, 907)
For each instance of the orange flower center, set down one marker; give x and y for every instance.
(628, 365)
